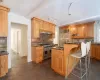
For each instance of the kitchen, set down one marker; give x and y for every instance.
(53, 38)
(70, 37)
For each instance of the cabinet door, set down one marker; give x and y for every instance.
(53, 56)
(41, 25)
(46, 26)
(3, 23)
(89, 30)
(98, 52)
(93, 51)
(39, 54)
(52, 28)
(57, 61)
(73, 30)
(6, 63)
(80, 31)
(60, 62)
(2, 66)
(35, 28)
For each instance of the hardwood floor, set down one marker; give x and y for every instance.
(32, 71)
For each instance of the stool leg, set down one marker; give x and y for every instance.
(81, 69)
(86, 66)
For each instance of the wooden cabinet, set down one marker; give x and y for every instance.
(82, 30)
(35, 28)
(3, 21)
(89, 30)
(73, 30)
(37, 54)
(57, 63)
(52, 28)
(46, 26)
(39, 25)
(95, 51)
(3, 65)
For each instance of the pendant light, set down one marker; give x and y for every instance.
(70, 4)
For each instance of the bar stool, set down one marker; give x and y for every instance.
(82, 54)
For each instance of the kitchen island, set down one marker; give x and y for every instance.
(59, 58)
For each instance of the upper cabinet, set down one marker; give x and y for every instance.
(82, 30)
(39, 25)
(89, 30)
(73, 30)
(35, 28)
(3, 21)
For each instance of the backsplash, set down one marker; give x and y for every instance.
(3, 40)
(44, 38)
(81, 40)
(3, 43)
(64, 37)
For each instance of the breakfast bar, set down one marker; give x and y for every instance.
(59, 58)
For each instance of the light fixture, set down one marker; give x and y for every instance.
(70, 4)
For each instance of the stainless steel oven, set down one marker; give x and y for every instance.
(47, 51)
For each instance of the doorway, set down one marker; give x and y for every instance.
(19, 46)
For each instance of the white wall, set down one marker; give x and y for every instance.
(19, 39)
(97, 31)
(21, 20)
(56, 39)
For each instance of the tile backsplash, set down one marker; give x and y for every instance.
(81, 40)
(3, 40)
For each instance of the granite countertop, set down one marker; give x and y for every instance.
(35, 45)
(3, 53)
(96, 43)
(59, 48)
(80, 43)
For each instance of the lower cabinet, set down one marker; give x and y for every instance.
(37, 54)
(57, 62)
(3, 65)
(95, 51)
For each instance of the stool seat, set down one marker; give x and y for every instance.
(78, 54)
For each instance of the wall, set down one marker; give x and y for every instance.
(56, 39)
(20, 20)
(19, 39)
(97, 31)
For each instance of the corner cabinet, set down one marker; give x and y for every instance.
(3, 65)
(3, 21)
(39, 25)
(37, 54)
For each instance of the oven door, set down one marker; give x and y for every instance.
(47, 54)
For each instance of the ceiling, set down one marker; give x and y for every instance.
(56, 11)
